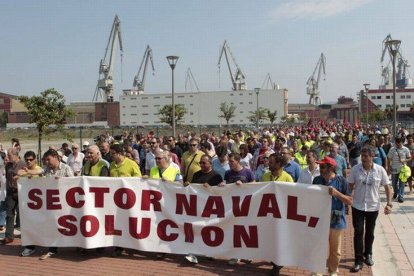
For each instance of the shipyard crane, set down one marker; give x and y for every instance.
(268, 82)
(238, 80)
(313, 83)
(190, 81)
(105, 81)
(139, 81)
(402, 74)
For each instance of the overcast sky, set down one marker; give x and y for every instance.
(59, 44)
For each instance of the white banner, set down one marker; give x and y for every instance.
(281, 222)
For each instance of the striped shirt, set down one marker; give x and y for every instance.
(395, 155)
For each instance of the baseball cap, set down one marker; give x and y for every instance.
(327, 160)
(86, 143)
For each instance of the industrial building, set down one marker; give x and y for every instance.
(202, 107)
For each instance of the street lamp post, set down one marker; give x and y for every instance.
(393, 46)
(257, 107)
(366, 85)
(172, 61)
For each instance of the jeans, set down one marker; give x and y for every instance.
(398, 186)
(3, 209)
(12, 204)
(355, 161)
(359, 220)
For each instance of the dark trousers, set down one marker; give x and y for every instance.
(12, 203)
(361, 220)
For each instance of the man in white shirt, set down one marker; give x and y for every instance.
(312, 170)
(365, 180)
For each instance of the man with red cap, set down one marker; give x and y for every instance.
(341, 196)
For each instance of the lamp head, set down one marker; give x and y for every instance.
(172, 61)
(393, 46)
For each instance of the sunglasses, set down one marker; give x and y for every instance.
(29, 159)
(74, 148)
(193, 145)
(170, 140)
(152, 143)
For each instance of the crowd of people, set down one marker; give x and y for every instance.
(353, 162)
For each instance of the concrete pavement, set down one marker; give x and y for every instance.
(394, 239)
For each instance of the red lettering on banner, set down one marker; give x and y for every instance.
(52, 200)
(110, 226)
(99, 195)
(292, 209)
(34, 195)
(269, 205)
(189, 206)
(250, 239)
(188, 232)
(69, 228)
(151, 197)
(245, 206)
(145, 228)
(162, 230)
(94, 223)
(214, 201)
(71, 198)
(131, 198)
(206, 234)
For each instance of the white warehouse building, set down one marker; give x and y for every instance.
(202, 107)
(383, 98)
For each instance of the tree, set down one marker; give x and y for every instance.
(165, 114)
(48, 112)
(258, 115)
(4, 118)
(271, 116)
(377, 116)
(227, 112)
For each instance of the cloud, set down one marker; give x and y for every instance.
(315, 9)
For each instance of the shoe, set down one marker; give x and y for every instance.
(117, 252)
(357, 268)
(47, 256)
(160, 256)
(368, 260)
(246, 261)
(191, 259)
(83, 252)
(1, 228)
(27, 252)
(6, 241)
(316, 274)
(394, 196)
(400, 200)
(276, 269)
(333, 274)
(233, 261)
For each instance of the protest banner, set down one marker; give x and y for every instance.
(285, 223)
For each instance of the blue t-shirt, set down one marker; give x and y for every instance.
(339, 183)
(293, 169)
(220, 168)
(340, 164)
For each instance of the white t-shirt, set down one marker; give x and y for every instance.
(245, 162)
